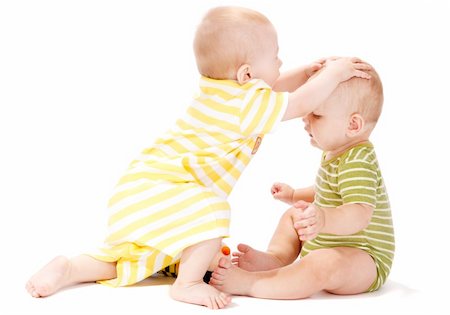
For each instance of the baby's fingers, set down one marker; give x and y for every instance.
(362, 74)
(305, 222)
(332, 58)
(309, 212)
(355, 59)
(307, 237)
(315, 67)
(362, 66)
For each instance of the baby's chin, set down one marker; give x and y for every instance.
(314, 143)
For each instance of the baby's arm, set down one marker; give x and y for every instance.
(310, 95)
(307, 194)
(343, 220)
(291, 80)
(289, 195)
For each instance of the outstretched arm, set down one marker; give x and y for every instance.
(310, 95)
(291, 80)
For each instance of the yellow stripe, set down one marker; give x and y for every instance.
(154, 152)
(221, 93)
(212, 121)
(193, 138)
(148, 202)
(129, 192)
(167, 167)
(167, 261)
(243, 157)
(220, 137)
(134, 268)
(220, 206)
(229, 167)
(262, 107)
(276, 112)
(132, 261)
(140, 222)
(119, 277)
(212, 174)
(233, 171)
(222, 223)
(208, 170)
(216, 106)
(151, 176)
(173, 144)
(191, 171)
(248, 107)
(229, 83)
(150, 265)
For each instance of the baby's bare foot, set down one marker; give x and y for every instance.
(251, 259)
(200, 293)
(54, 276)
(231, 279)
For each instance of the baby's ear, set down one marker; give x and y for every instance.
(355, 125)
(244, 74)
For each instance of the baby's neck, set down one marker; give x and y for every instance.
(332, 154)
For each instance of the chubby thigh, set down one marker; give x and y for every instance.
(345, 270)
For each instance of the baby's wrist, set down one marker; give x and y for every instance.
(292, 197)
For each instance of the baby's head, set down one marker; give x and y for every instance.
(362, 96)
(348, 116)
(236, 43)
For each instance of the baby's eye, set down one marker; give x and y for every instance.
(316, 116)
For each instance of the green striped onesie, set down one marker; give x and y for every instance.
(355, 177)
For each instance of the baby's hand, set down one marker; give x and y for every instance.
(308, 220)
(282, 192)
(314, 67)
(346, 68)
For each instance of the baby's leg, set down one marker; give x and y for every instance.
(189, 286)
(339, 270)
(283, 248)
(62, 272)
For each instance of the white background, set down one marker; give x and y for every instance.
(86, 85)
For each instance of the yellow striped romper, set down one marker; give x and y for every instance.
(175, 193)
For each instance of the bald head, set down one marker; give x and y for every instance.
(363, 96)
(226, 38)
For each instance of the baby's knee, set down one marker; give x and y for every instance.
(290, 215)
(324, 264)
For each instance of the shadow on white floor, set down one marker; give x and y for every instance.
(152, 294)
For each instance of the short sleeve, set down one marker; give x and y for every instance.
(358, 182)
(262, 109)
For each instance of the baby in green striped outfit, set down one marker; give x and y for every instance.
(341, 228)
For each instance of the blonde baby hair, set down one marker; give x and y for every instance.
(226, 39)
(365, 96)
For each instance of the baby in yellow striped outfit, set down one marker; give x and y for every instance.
(170, 207)
(342, 227)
